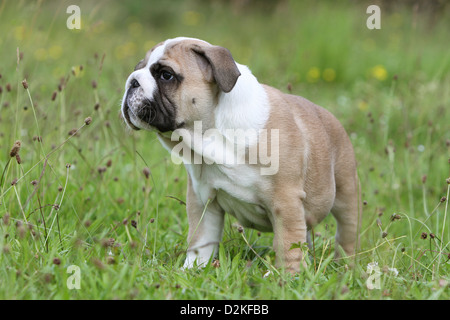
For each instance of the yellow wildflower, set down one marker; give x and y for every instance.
(379, 72)
(329, 74)
(313, 75)
(362, 105)
(20, 33)
(40, 54)
(55, 52)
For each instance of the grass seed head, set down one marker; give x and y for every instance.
(98, 264)
(25, 83)
(6, 249)
(289, 87)
(88, 121)
(21, 231)
(379, 223)
(216, 263)
(106, 243)
(424, 178)
(146, 172)
(5, 219)
(47, 277)
(15, 149)
(110, 260)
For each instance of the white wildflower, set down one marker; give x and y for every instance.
(394, 271)
(268, 273)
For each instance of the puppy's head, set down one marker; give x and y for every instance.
(176, 84)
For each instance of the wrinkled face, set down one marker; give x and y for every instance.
(176, 84)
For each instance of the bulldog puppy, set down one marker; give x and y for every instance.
(277, 162)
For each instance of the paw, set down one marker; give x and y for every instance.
(194, 260)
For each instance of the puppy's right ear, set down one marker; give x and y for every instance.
(144, 61)
(140, 64)
(217, 64)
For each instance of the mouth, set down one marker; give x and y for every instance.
(126, 114)
(142, 113)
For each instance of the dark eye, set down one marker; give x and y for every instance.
(166, 75)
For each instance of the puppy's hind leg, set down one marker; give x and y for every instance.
(289, 226)
(347, 212)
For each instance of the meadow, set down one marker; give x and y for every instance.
(79, 191)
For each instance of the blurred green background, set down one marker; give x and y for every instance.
(283, 38)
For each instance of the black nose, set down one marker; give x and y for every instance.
(134, 84)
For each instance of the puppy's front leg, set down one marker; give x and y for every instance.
(289, 225)
(205, 232)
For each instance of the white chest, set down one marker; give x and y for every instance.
(236, 188)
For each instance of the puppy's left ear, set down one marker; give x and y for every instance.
(218, 64)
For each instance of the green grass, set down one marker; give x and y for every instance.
(127, 231)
